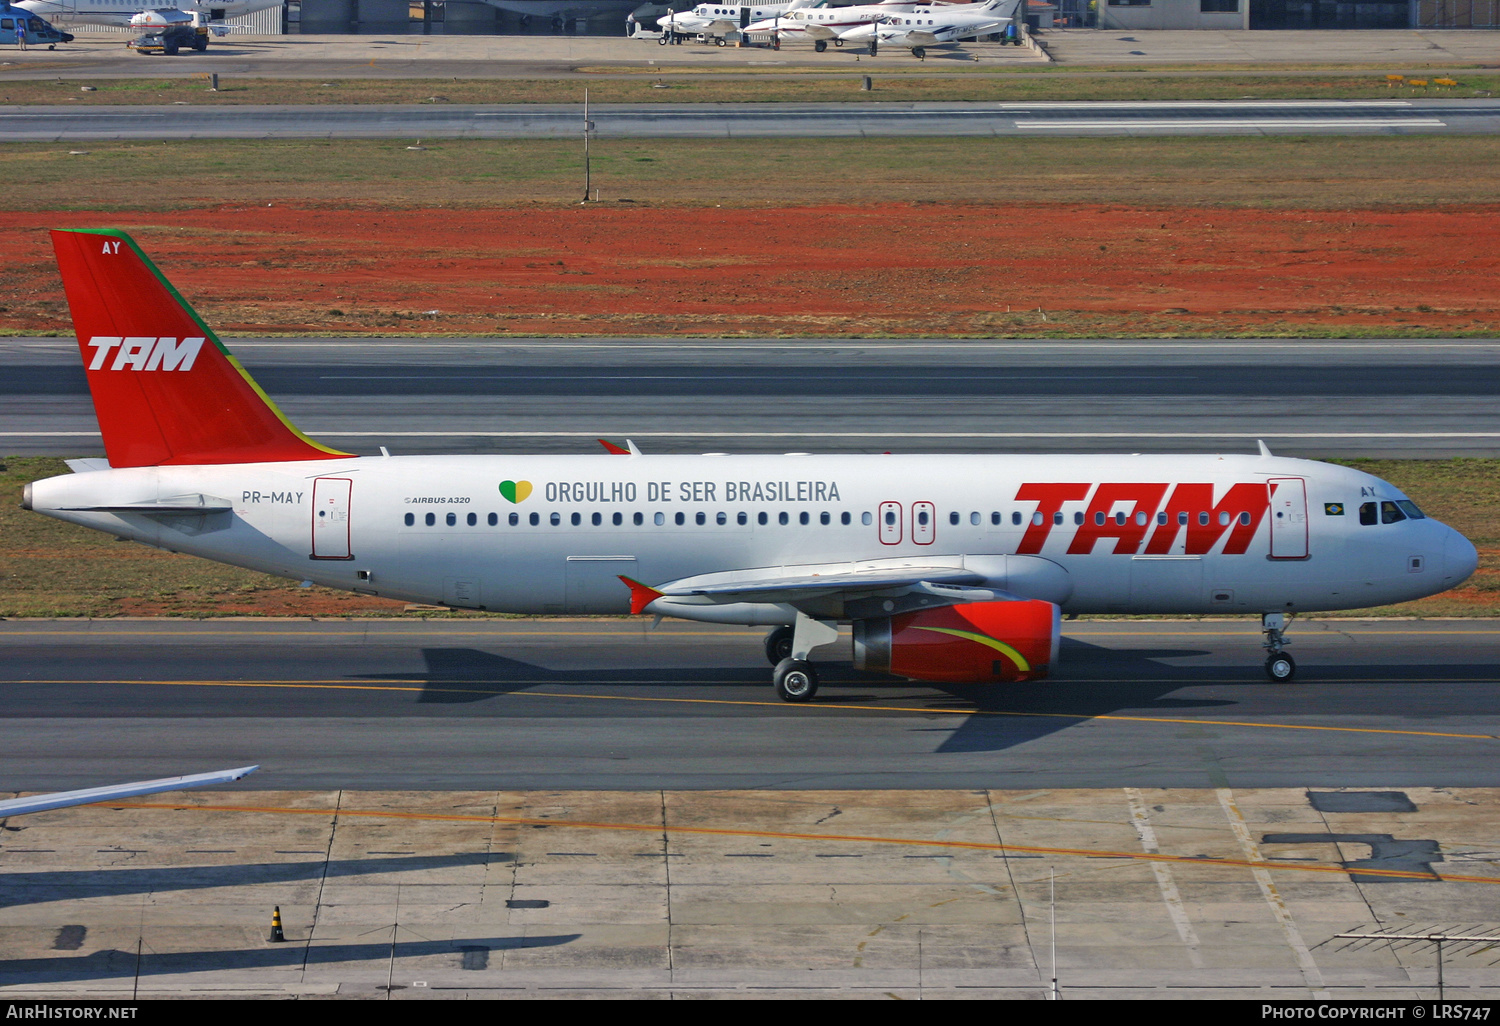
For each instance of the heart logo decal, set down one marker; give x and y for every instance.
(515, 491)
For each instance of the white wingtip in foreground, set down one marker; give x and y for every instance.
(114, 792)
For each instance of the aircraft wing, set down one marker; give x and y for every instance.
(88, 796)
(917, 37)
(775, 585)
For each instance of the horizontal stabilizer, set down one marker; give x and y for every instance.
(92, 795)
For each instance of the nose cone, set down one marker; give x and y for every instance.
(1460, 559)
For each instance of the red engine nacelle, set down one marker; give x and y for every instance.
(977, 643)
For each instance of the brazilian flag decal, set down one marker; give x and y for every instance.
(1333, 509)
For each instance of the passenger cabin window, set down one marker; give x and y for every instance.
(701, 518)
(638, 520)
(974, 518)
(577, 519)
(679, 518)
(953, 517)
(1368, 514)
(864, 518)
(742, 519)
(761, 518)
(596, 519)
(494, 518)
(802, 518)
(514, 519)
(473, 519)
(1077, 519)
(617, 519)
(660, 518)
(451, 518)
(1390, 513)
(782, 519)
(844, 518)
(536, 518)
(410, 519)
(431, 519)
(556, 519)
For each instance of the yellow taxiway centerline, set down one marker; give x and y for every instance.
(660, 828)
(406, 685)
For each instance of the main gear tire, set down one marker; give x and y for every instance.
(795, 680)
(1280, 667)
(820, 45)
(779, 645)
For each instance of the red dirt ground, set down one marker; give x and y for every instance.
(903, 269)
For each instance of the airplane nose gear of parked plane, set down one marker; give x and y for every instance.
(1280, 666)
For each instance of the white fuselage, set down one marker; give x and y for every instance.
(722, 19)
(827, 22)
(118, 13)
(932, 25)
(1120, 541)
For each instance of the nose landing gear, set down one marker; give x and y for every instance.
(1280, 666)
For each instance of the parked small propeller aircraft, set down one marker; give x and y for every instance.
(948, 567)
(936, 25)
(823, 23)
(716, 21)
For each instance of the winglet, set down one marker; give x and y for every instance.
(612, 448)
(641, 596)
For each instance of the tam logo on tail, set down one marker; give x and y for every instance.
(145, 352)
(217, 415)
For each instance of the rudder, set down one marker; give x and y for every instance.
(165, 389)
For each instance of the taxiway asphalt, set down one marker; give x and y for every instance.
(611, 704)
(1305, 398)
(752, 120)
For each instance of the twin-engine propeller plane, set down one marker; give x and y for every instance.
(949, 568)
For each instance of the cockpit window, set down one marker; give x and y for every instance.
(1390, 513)
(1368, 514)
(1410, 508)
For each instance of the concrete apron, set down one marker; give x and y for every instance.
(1181, 893)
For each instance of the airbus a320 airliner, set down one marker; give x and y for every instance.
(949, 568)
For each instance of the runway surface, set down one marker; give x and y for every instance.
(611, 704)
(743, 120)
(1307, 398)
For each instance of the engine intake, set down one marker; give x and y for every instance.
(975, 643)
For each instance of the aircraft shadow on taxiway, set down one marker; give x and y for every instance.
(1136, 682)
(29, 887)
(114, 963)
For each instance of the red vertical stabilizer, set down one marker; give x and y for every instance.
(165, 389)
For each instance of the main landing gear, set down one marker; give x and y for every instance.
(819, 45)
(787, 649)
(1280, 666)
